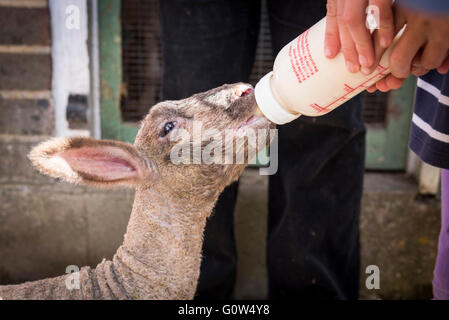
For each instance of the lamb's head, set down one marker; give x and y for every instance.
(190, 146)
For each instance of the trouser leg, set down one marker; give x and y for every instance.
(441, 272)
(206, 44)
(313, 249)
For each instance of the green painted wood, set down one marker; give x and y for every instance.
(112, 126)
(375, 148)
(387, 148)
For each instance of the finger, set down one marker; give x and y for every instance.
(382, 86)
(371, 89)
(444, 68)
(348, 49)
(403, 53)
(398, 23)
(388, 83)
(354, 18)
(434, 54)
(417, 67)
(386, 21)
(393, 83)
(383, 36)
(378, 52)
(418, 70)
(331, 36)
(347, 44)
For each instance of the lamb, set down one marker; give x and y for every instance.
(161, 252)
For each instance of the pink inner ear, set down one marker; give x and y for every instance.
(102, 163)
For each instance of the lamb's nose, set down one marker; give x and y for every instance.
(243, 90)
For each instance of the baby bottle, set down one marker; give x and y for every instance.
(305, 82)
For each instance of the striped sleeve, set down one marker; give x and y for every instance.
(429, 137)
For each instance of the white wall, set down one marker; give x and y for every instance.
(70, 58)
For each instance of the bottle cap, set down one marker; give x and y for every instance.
(268, 104)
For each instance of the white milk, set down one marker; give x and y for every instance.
(305, 82)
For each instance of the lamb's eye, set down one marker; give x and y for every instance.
(169, 126)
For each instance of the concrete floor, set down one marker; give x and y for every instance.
(399, 232)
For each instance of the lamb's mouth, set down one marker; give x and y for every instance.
(254, 122)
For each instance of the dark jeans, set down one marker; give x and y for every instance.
(314, 199)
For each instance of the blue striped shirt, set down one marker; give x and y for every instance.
(429, 137)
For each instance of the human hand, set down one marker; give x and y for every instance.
(423, 46)
(346, 31)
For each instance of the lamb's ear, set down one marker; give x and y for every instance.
(90, 161)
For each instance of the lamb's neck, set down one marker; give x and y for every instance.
(161, 254)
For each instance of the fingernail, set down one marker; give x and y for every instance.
(365, 70)
(352, 67)
(384, 42)
(328, 52)
(363, 60)
(418, 70)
